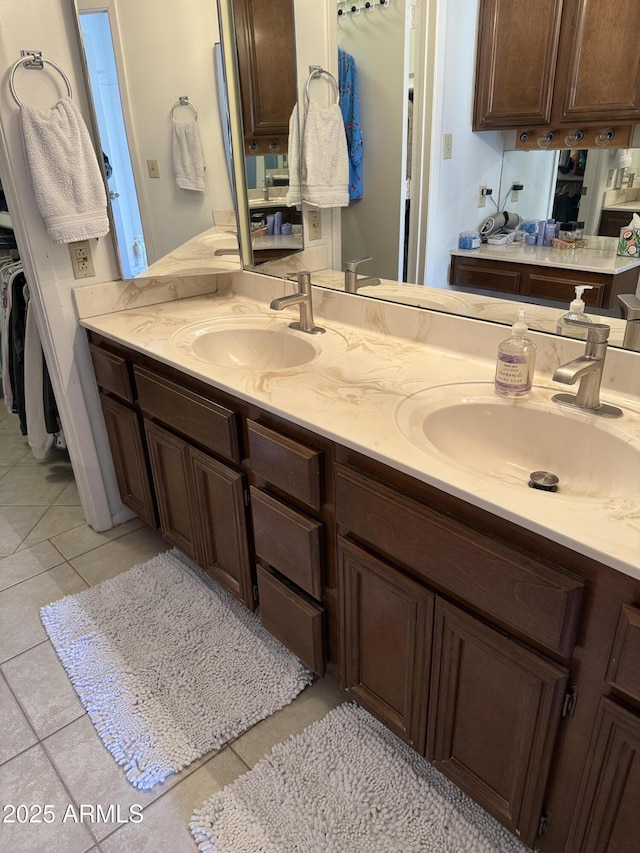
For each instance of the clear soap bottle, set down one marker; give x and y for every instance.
(516, 361)
(575, 312)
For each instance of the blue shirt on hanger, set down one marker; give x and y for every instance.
(350, 108)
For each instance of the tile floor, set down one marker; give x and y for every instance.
(50, 753)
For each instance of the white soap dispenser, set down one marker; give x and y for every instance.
(575, 312)
(516, 361)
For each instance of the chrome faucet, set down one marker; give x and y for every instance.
(351, 280)
(587, 369)
(268, 182)
(631, 311)
(303, 299)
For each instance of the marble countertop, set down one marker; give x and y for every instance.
(598, 256)
(386, 354)
(624, 205)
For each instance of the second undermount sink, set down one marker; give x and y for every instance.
(504, 440)
(257, 342)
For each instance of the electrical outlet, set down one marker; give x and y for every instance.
(447, 146)
(154, 169)
(515, 195)
(315, 225)
(81, 259)
(482, 195)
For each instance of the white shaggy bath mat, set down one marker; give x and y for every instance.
(169, 665)
(346, 784)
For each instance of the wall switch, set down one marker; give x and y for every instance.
(152, 166)
(447, 146)
(315, 225)
(81, 259)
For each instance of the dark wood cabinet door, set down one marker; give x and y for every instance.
(267, 69)
(219, 496)
(129, 459)
(385, 629)
(169, 457)
(493, 715)
(607, 815)
(515, 63)
(598, 36)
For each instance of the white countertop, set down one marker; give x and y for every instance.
(625, 206)
(599, 256)
(351, 395)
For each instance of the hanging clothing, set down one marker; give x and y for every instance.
(350, 109)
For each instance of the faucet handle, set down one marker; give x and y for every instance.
(597, 333)
(630, 306)
(352, 266)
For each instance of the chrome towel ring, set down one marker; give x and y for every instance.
(318, 71)
(35, 59)
(183, 101)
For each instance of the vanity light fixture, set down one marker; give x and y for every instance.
(605, 136)
(572, 137)
(545, 138)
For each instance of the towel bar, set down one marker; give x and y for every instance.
(35, 59)
(319, 71)
(183, 101)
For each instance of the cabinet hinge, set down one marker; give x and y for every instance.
(543, 824)
(570, 701)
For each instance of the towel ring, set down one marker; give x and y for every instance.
(183, 101)
(34, 59)
(317, 71)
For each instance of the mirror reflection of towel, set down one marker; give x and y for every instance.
(188, 162)
(323, 158)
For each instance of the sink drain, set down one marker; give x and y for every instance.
(544, 480)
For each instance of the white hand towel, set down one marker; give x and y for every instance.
(294, 196)
(325, 160)
(188, 162)
(64, 170)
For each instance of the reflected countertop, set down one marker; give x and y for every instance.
(392, 352)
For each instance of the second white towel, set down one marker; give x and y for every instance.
(188, 161)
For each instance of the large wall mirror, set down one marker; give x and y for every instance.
(381, 223)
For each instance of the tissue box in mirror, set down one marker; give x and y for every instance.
(629, 242)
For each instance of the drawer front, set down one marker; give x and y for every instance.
(292, 619)
(214, 427)
(534, 598)
(623, 672)
(286, 464)
(486, 276)
(562, 287)
(288, 541)
(112, 373)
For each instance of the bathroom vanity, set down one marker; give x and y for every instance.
(548, 273)
(493, 628)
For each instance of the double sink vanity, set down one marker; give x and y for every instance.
(366, 489)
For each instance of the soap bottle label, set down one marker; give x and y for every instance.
(512, 373)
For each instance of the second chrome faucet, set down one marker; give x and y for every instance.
(587, 370)
(303, 299)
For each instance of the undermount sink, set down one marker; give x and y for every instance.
(258, 342)
(506, 440)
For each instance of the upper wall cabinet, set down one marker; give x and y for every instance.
(559, 62)
(265, 40)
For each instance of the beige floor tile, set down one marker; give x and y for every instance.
(165, 824)
(55, 521)
(28, 563)
(13, 448)
(119, 555)
(26, 485)
(15, 524)
(93, 776)
(37, 673)
(55, 456)
(17, 734)
(311, 705)
(30, 779)
(20, 624)
(73, 543)
(69, 496)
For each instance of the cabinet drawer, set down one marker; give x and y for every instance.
(292, 619)
(209, 424)
(562, 286)
(288, 541)
(486, 275)
(286, 464)
(535, 598)
(113, 373)
(623, 672)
